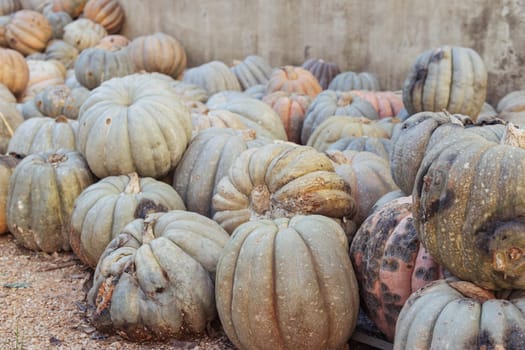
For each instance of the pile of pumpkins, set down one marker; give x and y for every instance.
(279, 199)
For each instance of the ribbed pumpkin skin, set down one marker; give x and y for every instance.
(213, 77)
(323, 71)
(94, 66)
(367, 174)
(108, 13)
(83, 33)
(469, 207)
(449, 77)
(337, 127)
(63, 52)
(9, 6)
(293, 79)
(390, 263)
(113, 120)
(287, 284)
(28, 32)
(102, 210)
(347, 81)
(329, 103)
(441, 317)
(14, 71)
(171, 295)
(73, 7)
(280, 180)
(377, 145)
(291, 108)
(206, 161)
(11, 120)
(7, 164)
(58, 100)
(42, 190)
(253, 70)
(158, 52)
(44, 134)
(386, 103)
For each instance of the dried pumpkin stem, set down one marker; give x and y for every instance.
(472, 291)
(133, 185)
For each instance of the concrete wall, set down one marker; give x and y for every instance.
(380, 36)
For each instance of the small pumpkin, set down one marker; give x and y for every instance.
(213, 77)
(14, 71)
(253, 70)
(103, 209)
(42, 190)
(293, 79)
(28, 32)
(83, 33)
(159, 52)
(347, 81)
(294, 277)
(322, 70)
(108, 13)
(7, 164)
(94, 66)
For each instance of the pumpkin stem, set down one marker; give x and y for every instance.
(472, 291)
(133, 185)
(513, 136)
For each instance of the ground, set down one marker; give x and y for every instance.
(42, 300)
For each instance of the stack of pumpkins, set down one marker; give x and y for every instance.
(183, 187)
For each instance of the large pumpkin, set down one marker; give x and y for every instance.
(42, 190)
(28, 32)
(287, 284)
(94, 66)
(253, 70)
(452, 314)
(293, 79)
(108, 13)
(390, 263)
(155, 280)
(113, 120)
(280, 180)
(449, 77)
(103, 209)
(14, 71)
(213, 77)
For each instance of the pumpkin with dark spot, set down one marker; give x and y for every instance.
(103, 209)
(390, 263)
(453, 314)
(155, 280)
(287, 284)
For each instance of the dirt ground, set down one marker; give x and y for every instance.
(42, 306)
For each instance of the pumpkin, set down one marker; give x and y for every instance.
(287, 284)
(453, 78)
(10, 120)
(213, 77)
(253, 70)
(83, 33)
(280, 180)
(63, 52)
(377, 145)
(323, 71)
(368, 176)
(155, 280)
(347, 81)
(103, 209)
(9, 6)
(28, 32)
(7, 163)
(108, 13)
(159, 52)
(291, 108)
(452, 314)
(337, 127)
(113, 42)
(386, 103)
(94, 66)
(59, 100)
(390, 263)
(14, 71)
(6, 95)
(113, 119)
(329, 103)
(42, 190)
(57, 20)
(256, 91)
(41, 75)
(206, 161)
(43, 134)
(293, 79)
(73, 7)
(468, 206)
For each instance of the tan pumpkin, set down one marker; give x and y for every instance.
(28, 32)
(214, 76)
(63, 52)
(41, 75)
(73, 7)
(14, 71)
(10, 120)
(83, 33)
(159, 52)
(293, 79)
(108, 13)
(7, 164)
(113, 42)
(9, 6)
(291, 108)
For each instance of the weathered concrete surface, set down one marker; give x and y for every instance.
(379, 36)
